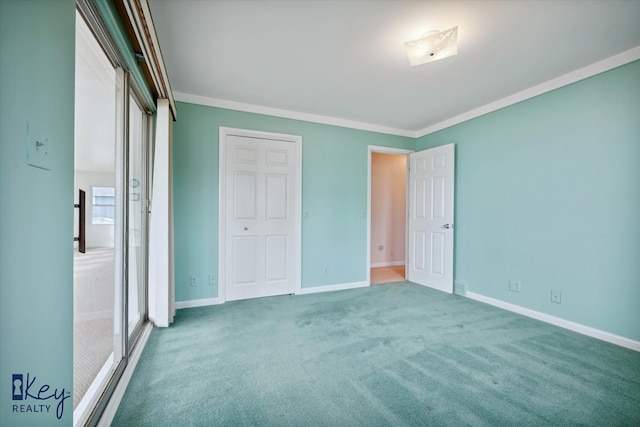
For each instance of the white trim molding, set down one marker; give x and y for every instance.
(302, 291)
(566, 324)
(289, 114)
(197, 303)
(564, 80)
(388, 264)
(161, 295)
(331, 288)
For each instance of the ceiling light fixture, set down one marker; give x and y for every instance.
(432, 46)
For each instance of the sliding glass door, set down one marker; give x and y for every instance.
(112, 143)
(96, 303)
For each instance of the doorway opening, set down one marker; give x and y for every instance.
(387, 229)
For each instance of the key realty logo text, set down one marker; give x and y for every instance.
(28, 395)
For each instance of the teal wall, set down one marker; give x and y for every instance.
(548, 193)
(37, 40)
(334, 192)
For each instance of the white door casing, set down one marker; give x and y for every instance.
(431, 194)
(384, 150)
(260, 205)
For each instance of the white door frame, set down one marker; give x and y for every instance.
(222, 220)
(383, 150)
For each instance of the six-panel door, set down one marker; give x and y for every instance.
(430, 252)
(260, 212)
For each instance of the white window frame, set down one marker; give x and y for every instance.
(94, 204)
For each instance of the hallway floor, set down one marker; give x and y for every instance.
(387, 274)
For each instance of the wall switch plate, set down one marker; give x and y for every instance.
(37, 149)
(556, 297)
(212, 280)
(514, 286)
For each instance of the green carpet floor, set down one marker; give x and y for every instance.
(388, 355)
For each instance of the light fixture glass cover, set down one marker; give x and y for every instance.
(432, 47)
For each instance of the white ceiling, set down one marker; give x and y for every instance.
(346, 59)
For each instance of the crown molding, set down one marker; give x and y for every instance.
(288, 114)
(558, 82)
(564, 80)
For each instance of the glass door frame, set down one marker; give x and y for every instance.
(126, 90)
(144, 197)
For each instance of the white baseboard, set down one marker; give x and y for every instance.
(114, 402)
(566, 324)
(303, 291)
(460, 288)
(387, 264)
(330, 288)
(197, 303)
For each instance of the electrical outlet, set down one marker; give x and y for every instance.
(212, 280)
(326, 271)
(193, 281)
(556, 297)
(514, 286)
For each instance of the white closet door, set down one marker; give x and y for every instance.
(260, 211)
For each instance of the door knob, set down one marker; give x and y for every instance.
(246, 228)
(447, 226)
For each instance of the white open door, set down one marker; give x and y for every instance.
(430, 248)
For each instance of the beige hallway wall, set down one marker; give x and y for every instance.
(388, 209)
